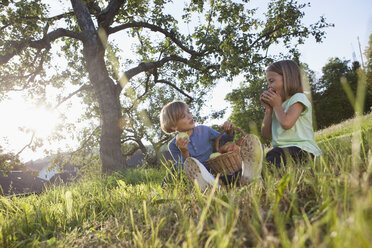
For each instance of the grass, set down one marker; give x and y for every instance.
(345, 128)
(323, 203)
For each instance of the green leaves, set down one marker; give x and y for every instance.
(331, 104)
(247, 111)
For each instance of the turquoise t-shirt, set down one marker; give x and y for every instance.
(301, 134)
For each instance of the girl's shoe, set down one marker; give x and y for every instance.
(194, 170)
(252, 155)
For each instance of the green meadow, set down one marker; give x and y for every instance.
(322, 203)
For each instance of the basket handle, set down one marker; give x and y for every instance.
(219, 136)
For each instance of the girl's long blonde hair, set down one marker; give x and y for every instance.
(291, 73)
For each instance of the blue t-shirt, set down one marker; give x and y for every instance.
(301, 134)
(200, 146)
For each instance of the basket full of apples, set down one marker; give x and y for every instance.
(227, 159)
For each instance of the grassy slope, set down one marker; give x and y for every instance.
(345, 128)
(327, 203)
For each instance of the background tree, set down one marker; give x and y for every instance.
(247, 111)
(227, 41)
(368, 69)
(330, 100)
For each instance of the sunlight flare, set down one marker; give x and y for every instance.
(40, 120)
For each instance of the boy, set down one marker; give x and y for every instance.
(191, 153)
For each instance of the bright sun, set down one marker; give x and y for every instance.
(40, 120)
(17, 113)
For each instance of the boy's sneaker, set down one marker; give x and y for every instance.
(196, 170)
(252, 155)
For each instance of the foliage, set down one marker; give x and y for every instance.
(247, 111)
(368, 71)
(335, 93)
(322, 203)
(331, 104)
(227, 39)
(8, 162)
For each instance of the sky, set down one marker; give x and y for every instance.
(352, 19)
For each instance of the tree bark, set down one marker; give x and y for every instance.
(106, 91)
(110, 109)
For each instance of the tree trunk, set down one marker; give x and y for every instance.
(107, 93)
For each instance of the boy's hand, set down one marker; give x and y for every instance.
(228, 127)
(182, 145)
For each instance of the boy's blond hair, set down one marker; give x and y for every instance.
(170, 114)
(291, 73)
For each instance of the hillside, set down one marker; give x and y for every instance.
(345, 128)
(327, 203)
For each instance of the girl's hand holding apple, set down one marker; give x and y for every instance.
(271, 98)
(264, 101)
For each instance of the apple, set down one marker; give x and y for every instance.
(225, 147)
(182, 135)
(233, 147)
(215, 154)
(272, 90)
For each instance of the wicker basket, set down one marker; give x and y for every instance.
(226, 163)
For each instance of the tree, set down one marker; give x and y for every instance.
(331, 102)
(229, 40)
(247, 111)
(368, 69)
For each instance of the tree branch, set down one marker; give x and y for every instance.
(93, 7)
(28, 145)
(147, 86)
(43, 19)
(5, 26)
(132, 151)
(83, 16)
(16, 47)
(152, 65)
(106, 17)
(44, 43)
(175, 87)
(264, 35)
(58, 17)
(84, 87)
(54, 35)
(128, 138)
(154, 28)
(31, 76)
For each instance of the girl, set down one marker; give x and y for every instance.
(190, 153)
(288, 115)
